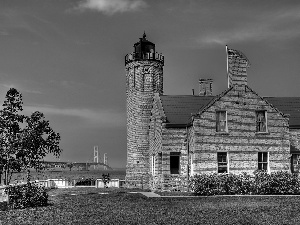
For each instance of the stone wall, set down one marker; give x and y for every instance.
(237, 68)
(295, 140)
(155, 143)
(143, 79)
(174, 140)
(163, 141)
(241, 142)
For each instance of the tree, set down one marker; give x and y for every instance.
(37, 140)
(70, 165)
(24, 148)
(10, 130)
(105, 179)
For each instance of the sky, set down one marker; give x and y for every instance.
(67, 58)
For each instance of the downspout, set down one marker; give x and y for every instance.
(227, 67)
(188, 153)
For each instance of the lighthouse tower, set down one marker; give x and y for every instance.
(144, 77)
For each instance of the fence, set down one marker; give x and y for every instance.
(64, 183)
(145, 56)
(112, 183)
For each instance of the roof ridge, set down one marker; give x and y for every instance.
(214, 100)
(190, 95)
(160, 106)
(277, 110)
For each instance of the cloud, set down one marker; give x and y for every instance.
(3, 33)
(19, 88)
(16, 23)
(280, 24)
(110, 7)
(91, 117)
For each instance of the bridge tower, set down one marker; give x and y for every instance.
(96, 155)
(105, 161)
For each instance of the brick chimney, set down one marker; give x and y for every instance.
(237, 64)
(205, 87)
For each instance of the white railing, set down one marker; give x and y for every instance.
(111, 183)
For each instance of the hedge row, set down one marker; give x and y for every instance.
(86, 182)
(261, 183)
(27, 195)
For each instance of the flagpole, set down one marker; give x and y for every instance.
(227, 65)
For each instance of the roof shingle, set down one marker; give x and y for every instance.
(178, 108)
(287, 105)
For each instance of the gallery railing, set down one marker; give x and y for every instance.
(144, 56)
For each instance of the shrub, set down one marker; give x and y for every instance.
(86, 182)
(261, 183)
(221, 184)
(105, 179)
(281, 182)
(26, 195)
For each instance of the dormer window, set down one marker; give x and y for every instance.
(221, 121)
(261, 121)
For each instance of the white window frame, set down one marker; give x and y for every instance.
(227, 161)
(153, 164)
(160, 162)
(268, 160)
(266, 121)
(218, 121)
(192, 164)
(292, 161)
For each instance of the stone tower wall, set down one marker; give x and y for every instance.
(143, 79)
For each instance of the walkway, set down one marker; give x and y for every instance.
(150, 194)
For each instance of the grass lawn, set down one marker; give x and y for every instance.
(174, 193)
(87, 206)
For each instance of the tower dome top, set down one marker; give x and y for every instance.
(144, 46)
(144, 50)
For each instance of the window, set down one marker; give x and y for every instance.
(153, 164)
(160, 162)
(263, 161)
(134, 76)
(174, 162)
(261, 121)
(192, 164)
(295, 163)
(221, 125)
(222, 162)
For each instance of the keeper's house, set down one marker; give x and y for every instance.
(173, 137)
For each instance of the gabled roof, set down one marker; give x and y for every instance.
(216, 98)
(287, 105)
(178, 108)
